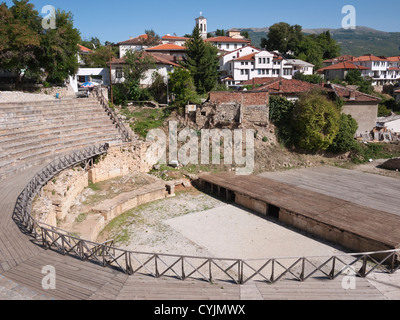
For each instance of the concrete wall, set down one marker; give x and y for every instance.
(348, 240)
(365, 114)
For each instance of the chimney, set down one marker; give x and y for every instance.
(352, 95)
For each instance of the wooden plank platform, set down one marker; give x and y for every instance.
(21, 263)
(379, 226)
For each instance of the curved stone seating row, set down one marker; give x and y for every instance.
(30, 132)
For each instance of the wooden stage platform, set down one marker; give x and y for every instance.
(354, 226)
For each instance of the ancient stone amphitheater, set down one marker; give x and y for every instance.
(40, 139)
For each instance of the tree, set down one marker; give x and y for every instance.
(59, 48)
(93, 43)
(280, 114)
(245, 34)
(20, 35)
(354, 77)
(316, 122)
(136, 65)
(220, 33)
(345, 139)
(152, 39)
(283, 37)
(202, 62)
(182, 87)
(98, 58)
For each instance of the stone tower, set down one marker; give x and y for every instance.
(201, 23)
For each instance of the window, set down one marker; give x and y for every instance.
(259, 60)
(227, 46)
(264, 60)
(235, 46)
(118, 73)
(268, 60)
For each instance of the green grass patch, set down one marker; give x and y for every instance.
(364, 152)
(147, 119)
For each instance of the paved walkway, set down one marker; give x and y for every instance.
(22, 273)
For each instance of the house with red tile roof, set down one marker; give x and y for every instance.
(171, 49)
(380, 70)
(340, 70)
(168, 39)
(164, 64)
(228, 44)
(261, 64)
(134, 44)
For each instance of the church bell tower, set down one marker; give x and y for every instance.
(201, 23)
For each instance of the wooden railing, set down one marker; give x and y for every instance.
(239, 271)
(125, 133)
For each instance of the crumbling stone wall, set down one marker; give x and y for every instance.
(122, 160)
(229, 108)
(59, 194)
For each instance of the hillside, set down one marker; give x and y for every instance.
(354, 42)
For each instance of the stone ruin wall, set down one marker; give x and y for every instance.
(60, 193)
(241, 109)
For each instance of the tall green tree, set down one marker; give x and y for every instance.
(60, 48)
(202, 62)
(182, 87)
(20, 34)
(283, 37)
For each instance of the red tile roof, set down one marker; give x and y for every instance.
(167, 37)
(353, 95)
(241, 48)
(342, 66)
(342, 58)
(394, 59)
(248, 57)
(227, 39)
(288, 86)
(167, 47)
(159, 59)
(135, 41)
(368, 57)
(84, 49)
(394, 69)
(259, 81)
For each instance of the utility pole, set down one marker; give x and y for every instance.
(111, 87)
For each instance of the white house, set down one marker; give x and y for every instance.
(228, 44)
(225, 67)
(300, 66)
(377, 68)
(259, 64)
(163, 65)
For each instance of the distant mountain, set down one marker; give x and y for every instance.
(356, 42)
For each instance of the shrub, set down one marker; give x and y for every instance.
(280, 114)
(316, 122)
(345, 140)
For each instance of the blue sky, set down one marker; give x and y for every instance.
(117, 20)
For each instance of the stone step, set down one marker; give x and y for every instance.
(44, 156)
(22, 119)
(10, 128)
(20, 153)
(48, 102)
(39, 132)
(54, 136)
(46, 110)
